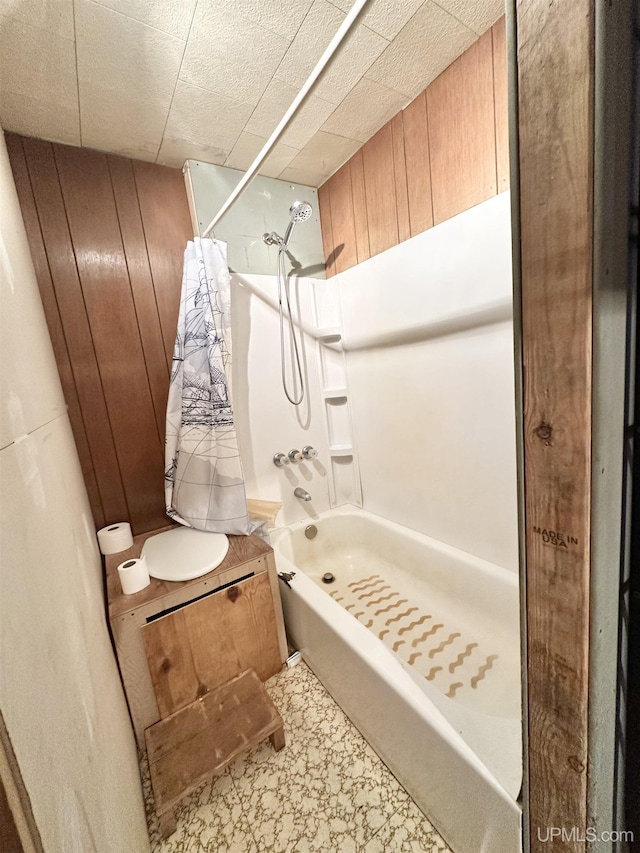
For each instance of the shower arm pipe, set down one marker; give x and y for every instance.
(252, 171)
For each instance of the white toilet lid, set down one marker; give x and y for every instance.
(183, 554)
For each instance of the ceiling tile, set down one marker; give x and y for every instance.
(36, 63)
(386, 17)
(307, 175)
(280, 16)
(128, 137)
(273, 104)
(54, 16)
(227, 52)
(323, 154)
(247, 149)
(366, 108)
(173, 18)
(127, 73)
(422, 50)
(478, 15)
(44, 119)
(277, 98)
(174, 152)
(359, 49)
(207, 118)
(307, 121)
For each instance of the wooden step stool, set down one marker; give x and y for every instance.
(202, 739)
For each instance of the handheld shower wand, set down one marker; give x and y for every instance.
(299, 211)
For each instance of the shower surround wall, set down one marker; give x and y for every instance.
(418, 247)
(266, 422)
(430, 367)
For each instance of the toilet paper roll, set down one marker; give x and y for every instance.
(115, 538)
(133, 575)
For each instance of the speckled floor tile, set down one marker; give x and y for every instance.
(326, 790)
(408, 831)
(210, 819)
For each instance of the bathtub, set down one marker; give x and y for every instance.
(418, 642)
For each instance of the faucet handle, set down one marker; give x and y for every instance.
(280, 460)
(295, 456)
(309, 452)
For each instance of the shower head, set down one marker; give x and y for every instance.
(300, 211)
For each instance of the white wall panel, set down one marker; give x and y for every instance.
(428, 336)
(60, 690)
(266, 422)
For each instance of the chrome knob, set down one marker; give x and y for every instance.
(295, 456)
(309, 452)
(280, 460)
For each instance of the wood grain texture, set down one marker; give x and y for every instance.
(501, 102)
(202, 739)
(173, 674)
(556, 90)
(274, 583)
(167, 226)
(416, 148)
(360, 223)
(379, 181)
(160, 595)
(77, 332)
(106, 281)
(146, 308)
(462, 142)
(128, 614)
(54, 322)
(203, 645)
(342, 219)
(400, 177)
(95, 232)
(326, 226)
(132, 663)
(447, 151)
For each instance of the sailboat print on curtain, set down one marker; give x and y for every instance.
(204, 483)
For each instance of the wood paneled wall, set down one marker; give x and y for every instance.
(107, 237)
(446, 152)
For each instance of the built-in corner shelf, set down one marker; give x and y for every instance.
(341, 450)
(329, 335)
(335, 393)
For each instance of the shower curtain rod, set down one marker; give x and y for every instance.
(251, 172)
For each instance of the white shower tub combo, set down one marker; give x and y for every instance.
(419, 644)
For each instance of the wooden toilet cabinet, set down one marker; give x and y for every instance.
(176, 641)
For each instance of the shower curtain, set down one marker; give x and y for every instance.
(204, 483)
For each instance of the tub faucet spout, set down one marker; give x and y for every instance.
(302, 494)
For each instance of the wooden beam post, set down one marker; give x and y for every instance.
(555, 103)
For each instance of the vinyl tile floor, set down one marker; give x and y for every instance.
(327, 790)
